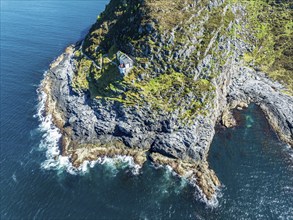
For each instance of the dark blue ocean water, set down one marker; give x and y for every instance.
(254, 166)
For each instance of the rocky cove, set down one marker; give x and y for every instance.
(97, 127)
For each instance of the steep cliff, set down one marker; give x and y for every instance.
(194, 60)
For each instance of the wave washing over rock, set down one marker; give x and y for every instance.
(165, 109)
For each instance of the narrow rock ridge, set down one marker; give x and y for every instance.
(105, 124)
(196, 173)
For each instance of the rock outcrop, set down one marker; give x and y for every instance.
(188, 76)
(251, 86)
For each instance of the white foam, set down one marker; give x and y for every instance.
(211, 203)
(116, 162)
(14, 177)
(51, 137)
(289, 150)
(51, 134)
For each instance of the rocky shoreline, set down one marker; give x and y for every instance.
(58, 104)
(251, 86)
(188, 76)
(76, 114)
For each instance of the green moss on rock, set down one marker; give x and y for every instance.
(157, 33)
(270, 25)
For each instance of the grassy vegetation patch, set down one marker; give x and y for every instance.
(167, 90)
(80, 80)
(162, 81)
(169, 13)
(174, 91)
(271, 25)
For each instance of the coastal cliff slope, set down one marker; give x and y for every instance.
(194, 61)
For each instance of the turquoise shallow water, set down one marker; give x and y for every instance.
(254, 166)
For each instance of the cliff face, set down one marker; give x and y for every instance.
(191, 68)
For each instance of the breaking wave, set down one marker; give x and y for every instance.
(213, 202)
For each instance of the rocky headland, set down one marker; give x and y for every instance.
(194, 61)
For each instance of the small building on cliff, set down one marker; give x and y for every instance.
(125, 63)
